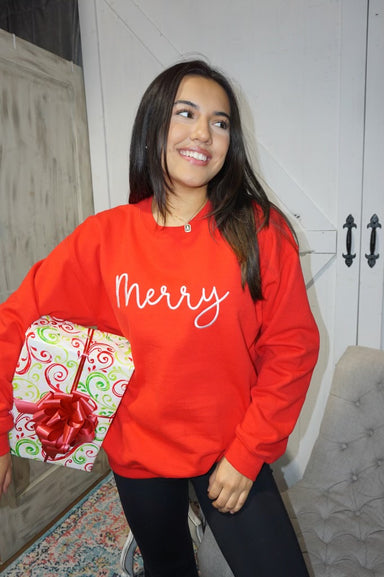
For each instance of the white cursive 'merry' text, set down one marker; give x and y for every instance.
(151, 297)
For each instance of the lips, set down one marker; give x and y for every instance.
(195, 154)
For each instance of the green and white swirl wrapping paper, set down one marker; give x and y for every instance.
(48, 362)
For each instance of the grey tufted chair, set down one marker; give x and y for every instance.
(339, 502)
(337, 508)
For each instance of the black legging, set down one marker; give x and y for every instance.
(258, 541)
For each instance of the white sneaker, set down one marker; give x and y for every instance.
(126, 557)
(196, 527)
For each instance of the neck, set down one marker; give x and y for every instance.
(186, 204)
(180, 210)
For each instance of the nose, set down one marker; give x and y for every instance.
(201, 130)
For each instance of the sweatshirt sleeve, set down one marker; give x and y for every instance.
(67, 285)
(285, 353)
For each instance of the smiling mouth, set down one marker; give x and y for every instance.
(194, 154)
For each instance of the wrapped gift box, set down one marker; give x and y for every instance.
(67, 386)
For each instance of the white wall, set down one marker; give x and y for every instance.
(285, 59)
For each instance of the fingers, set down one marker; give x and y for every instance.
(228, 488)
(228, 500)
(6, 483)
(5, 473)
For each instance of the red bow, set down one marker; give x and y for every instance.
(62, 420)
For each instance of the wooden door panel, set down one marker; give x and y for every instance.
(45, 191)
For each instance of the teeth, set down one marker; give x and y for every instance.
(194, 154)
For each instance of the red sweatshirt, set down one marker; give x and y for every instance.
(215, 373)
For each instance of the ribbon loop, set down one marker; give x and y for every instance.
(63, 420)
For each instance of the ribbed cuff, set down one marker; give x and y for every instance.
(244, 461)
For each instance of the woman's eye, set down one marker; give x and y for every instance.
(184, 113)
(222, 124)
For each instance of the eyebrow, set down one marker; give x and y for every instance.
(193, 105)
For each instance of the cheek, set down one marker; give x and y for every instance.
(176, 134)
(223, 148)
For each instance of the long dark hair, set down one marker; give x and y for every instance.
(231, 192)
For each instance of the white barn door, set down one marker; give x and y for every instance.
(360, 267)
(300, 71)
(371, 287)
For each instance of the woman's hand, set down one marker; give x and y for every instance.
(228, 488)
(5, 472)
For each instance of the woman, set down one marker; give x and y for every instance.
(201, 273)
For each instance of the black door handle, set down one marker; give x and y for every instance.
(349, 224)
(373, 224)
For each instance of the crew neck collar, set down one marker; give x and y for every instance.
(150, 222)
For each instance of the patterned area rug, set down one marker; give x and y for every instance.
(87, 542)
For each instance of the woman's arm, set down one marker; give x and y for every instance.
(67, 285)
(285, 353)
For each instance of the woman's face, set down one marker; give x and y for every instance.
(198, 136)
